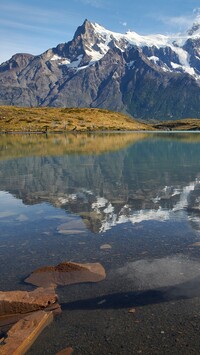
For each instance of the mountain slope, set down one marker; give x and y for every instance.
(153, 76)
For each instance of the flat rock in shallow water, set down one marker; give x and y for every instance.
(66, 273)
(23, 334)
(72, 227)
(13, 302)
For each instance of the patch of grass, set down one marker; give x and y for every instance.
(15, 119)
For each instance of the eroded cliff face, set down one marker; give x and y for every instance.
(146, 76)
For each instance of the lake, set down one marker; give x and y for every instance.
(130, 201)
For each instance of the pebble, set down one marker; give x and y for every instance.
(105, 246)
(101, 302)
(132, 310)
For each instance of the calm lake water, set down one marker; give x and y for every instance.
(64, 197)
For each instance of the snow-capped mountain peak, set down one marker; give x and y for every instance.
(96, 41)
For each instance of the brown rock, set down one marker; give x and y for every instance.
(22, 335)
(67, 273)
(13, 302)
(67, 351)
(6, 321)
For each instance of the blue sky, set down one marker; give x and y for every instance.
(32, 26)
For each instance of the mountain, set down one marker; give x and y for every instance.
(153, 76)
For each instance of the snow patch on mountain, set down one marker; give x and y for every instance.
(56, 57)
(154, 59)
(122, 41)
(186, 69)
(66, 61)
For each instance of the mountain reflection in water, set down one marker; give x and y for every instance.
(143, 177)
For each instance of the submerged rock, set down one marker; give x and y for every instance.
(13, 302)
(23, 334)
(75, 226)
(66, 273)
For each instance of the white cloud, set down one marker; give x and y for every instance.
(180, 20)
(123, 23)
(180, 23)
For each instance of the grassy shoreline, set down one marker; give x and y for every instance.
(52, 120)
(60, 120)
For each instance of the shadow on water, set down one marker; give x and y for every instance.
(183, 291)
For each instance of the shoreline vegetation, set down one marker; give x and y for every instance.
(59, 120)
(21, 145)
(14, 146)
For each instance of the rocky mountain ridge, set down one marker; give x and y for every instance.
(152, 76)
